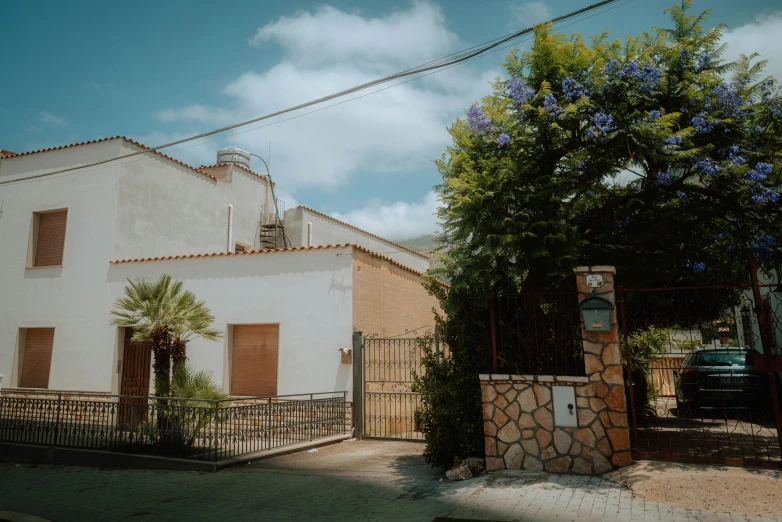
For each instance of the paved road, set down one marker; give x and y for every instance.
(348, 481)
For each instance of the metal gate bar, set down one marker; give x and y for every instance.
(729, 421)
(389, 403)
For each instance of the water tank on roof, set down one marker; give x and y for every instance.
(233, 155)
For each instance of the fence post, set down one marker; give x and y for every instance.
(311, 416)
(343, 409)
(767, 343)
(217, 429)
(132, 426)
(57, 422)
(269, 423)
(494, 366)
(628, 370)
(358, 386)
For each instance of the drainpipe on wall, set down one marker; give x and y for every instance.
(309, 234)
(230, 228)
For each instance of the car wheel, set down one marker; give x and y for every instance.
(681, 409)
(687, 410)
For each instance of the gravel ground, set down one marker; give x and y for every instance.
(747, 491)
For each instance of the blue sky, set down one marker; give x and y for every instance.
(157, 71)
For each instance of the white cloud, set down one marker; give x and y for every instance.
(760, 36)
(47, 118)
(531, 13)
(329, 36)
(398, 130)
(398, 221)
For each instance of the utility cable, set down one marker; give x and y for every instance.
(384, 88)
(438, 64)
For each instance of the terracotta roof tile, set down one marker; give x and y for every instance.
(9, 154)
(235, 165)
(269, 251)
(63, 147)
(361, 230)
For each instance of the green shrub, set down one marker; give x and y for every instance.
(450, 416)
(645, 346)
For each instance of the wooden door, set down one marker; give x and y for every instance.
(135, 382)
(254, 359)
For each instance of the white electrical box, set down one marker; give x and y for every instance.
(564, 399)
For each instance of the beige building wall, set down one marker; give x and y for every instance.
(389, 300)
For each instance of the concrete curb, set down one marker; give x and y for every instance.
(28, 453)
(21, 517)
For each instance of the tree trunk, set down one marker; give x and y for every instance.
(161, 365)
(178, 354)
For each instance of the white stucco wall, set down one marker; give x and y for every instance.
(144, 206)
(309, 293)
(769, 283)
(168, 209)
(71, 298)
(326, 231)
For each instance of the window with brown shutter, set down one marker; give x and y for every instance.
(50, 238)
(36, 358)
(254, 359)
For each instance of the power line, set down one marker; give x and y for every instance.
(441, 63)
(390, 86)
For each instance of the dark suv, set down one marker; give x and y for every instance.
(720, 378)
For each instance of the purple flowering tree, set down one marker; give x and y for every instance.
(653, 155)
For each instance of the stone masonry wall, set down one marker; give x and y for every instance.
(519, 427)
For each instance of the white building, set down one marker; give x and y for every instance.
(69, 241)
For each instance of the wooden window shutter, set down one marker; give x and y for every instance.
(254, 359)
(51, 238)
(37, 358)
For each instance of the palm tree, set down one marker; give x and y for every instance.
(195, 320)
(164, 314)
(147, 309)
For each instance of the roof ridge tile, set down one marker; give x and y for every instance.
(362, 230)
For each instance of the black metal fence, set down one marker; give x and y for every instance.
(537, 334)
(697, 379)
(199, 429)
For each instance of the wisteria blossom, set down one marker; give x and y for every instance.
(477, 119)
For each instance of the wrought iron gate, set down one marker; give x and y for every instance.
(702, 372)
(390, 404)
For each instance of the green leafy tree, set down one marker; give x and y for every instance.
(651, 154)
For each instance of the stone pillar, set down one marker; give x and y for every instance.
(519, 425)
(603, 361)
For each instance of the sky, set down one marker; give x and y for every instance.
(160, 71)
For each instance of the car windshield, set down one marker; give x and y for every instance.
(723, 359)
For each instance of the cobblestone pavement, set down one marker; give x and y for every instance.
(349, 481)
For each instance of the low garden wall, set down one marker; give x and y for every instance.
(520, 430)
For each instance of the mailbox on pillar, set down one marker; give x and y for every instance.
(596, 313)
